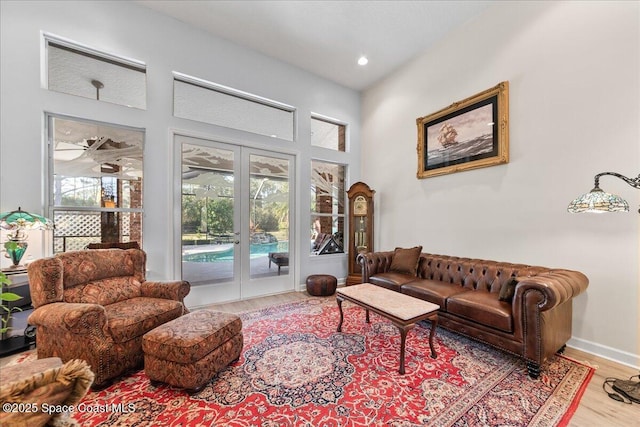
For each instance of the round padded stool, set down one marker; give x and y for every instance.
(321, 285)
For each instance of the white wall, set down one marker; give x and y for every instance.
(165, 45)
(574, 76)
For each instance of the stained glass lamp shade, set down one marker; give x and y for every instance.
(598, 201)
(17, 222)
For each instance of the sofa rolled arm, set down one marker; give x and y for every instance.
(77, 318)
(372, 263)
(173, 290)
(556, 287)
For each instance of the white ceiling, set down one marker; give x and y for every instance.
(327, 37)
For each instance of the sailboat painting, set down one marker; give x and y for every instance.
(469, 134)
(461, 137)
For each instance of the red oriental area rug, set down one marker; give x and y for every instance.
(296, 370)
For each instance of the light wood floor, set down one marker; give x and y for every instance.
(596, 408)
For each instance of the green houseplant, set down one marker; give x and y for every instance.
(6, 310)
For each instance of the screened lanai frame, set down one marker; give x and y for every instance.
(105, 159)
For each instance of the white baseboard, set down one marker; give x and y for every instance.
(609, 353)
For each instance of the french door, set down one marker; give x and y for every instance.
(237, 211)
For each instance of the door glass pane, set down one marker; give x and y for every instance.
(207, 214)
(269, 216)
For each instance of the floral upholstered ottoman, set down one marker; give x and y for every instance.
(190, 350)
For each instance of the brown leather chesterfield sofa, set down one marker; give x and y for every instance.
(96, 305)
(521, 309)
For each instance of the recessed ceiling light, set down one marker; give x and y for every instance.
(363, 60)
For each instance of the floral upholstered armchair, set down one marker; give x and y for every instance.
(96, 305)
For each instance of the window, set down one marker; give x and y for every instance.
(81, 71)
(96, 190)
(327, 134)
(327, 207)
(210, 103)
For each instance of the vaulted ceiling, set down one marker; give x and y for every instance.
(328, 37)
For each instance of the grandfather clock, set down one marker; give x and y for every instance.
(360, 227)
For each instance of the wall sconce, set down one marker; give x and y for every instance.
(597, 201)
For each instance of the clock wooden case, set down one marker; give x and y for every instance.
(360, 228)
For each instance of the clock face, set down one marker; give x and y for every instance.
(360, 206)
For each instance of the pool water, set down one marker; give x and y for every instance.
(257, 251)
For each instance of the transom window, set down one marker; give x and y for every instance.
(329, 134)
(82, 71)
(208, 102)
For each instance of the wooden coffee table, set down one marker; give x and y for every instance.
(402, 310)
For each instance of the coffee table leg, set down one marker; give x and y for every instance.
(434, 325)
(403, 341)
(339, 300)
(367, 318)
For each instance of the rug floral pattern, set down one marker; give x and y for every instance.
(315, 371)
(296, 370)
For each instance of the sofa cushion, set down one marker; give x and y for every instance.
(82, 267)
(391, 280)
(433, 291)
(135, 317)
(507, 290)
(482, 307)
(105, 291)
(406, 260)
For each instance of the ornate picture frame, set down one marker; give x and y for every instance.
(469, 134)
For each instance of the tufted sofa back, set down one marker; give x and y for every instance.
(472, 273)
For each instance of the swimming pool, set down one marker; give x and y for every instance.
(226, 254)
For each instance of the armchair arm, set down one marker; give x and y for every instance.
(175, 290)
(374, 262)
(542, 312)
(83, 319)
(554, 287)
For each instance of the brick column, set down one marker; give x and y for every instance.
(135, 220)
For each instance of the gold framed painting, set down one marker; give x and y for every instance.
(469, 134)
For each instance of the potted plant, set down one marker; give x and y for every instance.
(5, 313)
